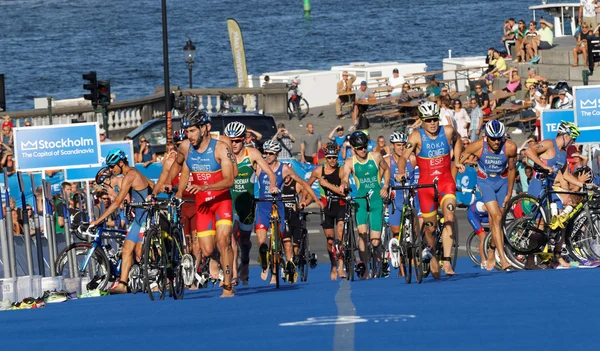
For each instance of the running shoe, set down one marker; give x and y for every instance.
(93, 293)
(394, 249)
(187, 263)
(262, 256)
(26, 304)
(291, 273)
(589, 264)
(5, 305)
(535, 60)
(56, 296)
(426, 255)
(361, 268)
(385, 268)
(313, 260)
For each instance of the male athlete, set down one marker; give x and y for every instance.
(496, 172)
(137, 186)
(433, 146)
(368, 169)
(242, 194)
(209, 162)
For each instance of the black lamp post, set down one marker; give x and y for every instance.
(189, 51)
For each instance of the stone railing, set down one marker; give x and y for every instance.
(126, 115)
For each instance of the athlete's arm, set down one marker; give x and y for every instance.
(175, 166)
(412, 144)
(457, 144)
(227, 140)
(164, 173)
(183, 180)
(382, 165)
(288, 171)
(533, 153)
(256, 157)
(346, 170)
(123, 191)
(471, 153)
(511, 153)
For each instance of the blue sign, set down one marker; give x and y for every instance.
(467, 182)
(89, 173)
(550, 120)
(57, 147)
(587, 108)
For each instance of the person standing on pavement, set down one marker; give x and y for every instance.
(309, 145)
(343, 86)
(286, 139)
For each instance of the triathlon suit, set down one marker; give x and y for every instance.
(263, 209)
(242, 193)
(476, 216)
(188, 209)
(136, 230)
(368, 179)
(557, 162)
(434, 162)
(397, 195)
(335, 210)
(492, 174)
(294, 225)
(213, 207)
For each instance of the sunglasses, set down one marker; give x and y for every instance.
(104, 199)
(494, 139)
(112, 166)
(331, 157)
(359, 148)
(477, 88)
(142, 141)
(30, 209)
(268, 153)
(235, 141)
(431, 120)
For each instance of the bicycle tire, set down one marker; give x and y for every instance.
(455, 244)
(592, 237)
(155, 263)
(306, 110)
(473, 248)
(177, 287)
(349, 258)
(523, 209)
(406, 248)
(81, 249)
(304, 257)
(275, 260)
(417, 252)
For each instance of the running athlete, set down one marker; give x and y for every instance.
(329, 176)
(552, 156)
(398, 141)
(433, 146)
(209, 162)
(242, 194)
(272, 148)
(294, 195)
(368, 169)
(495, 157)
(137, 186)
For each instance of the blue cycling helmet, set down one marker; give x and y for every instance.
(114, 156)
(199, 118)
(495, 129)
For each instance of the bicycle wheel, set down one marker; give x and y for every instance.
(154, 268)
(98, 262)
(275, 256)
(177, 287)
(473, 248)
(455, 244)
(349, 259)
(304, 107)
(591, 236)
(528, 234)
(406, 246)
(416, 254)
(304, 257)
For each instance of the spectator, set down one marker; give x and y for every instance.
(103, 138)
(252, 137)
(396, 82)
(8, 162)
(532, 78)
(310, 144)
(381, 147)
(17, 217)
(27, 124)
(146, 154)
(461, 118)
(286, 139)
(7, 141)
(371, 145)
(549, 93)
(489, 61)
(519, 37)
(445, 94)
(30, 220)
(363, 93)
(565, 100)
(337, 135)
(60, 207)
(582, 43)
(510, 28)
(476, 120)
(343, 86)
(483, 100)
(577, 161)
(529, 47)
(541, 105)
(267, 81)
(446, 115)
(546, 34)
(498, 71)
(514, 81)
(7, 122)
(433, 89)
(587, 13)
(405, 94)
(103, 203)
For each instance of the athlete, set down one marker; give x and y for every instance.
(272, 148)
(137, 186)
(495, 157)
(476, 215)
(398, 141)
(551, 155)
(210, 164)
(433, 146)
(330, 179)
(368, 169)
(242, 194)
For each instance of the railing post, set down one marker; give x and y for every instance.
(50, 109)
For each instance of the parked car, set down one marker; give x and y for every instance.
(155, 130)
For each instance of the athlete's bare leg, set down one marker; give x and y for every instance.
(223, 241)
(329, 240)
(126, 263)
(235, 237)
(340, 237)
(448, 207)
(244, 247)
(430, 223)
(261, 238)
(495, 217)
(362, 245)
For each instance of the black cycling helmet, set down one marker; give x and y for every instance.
(103, 176)
(331, 149)
(198, 118)
(358, 139)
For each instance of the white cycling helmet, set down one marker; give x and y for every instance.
(235, 130)
(272, 145)
(429, 110)
(495, 129)
(398, 137)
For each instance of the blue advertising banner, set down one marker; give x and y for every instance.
(89, 173)
(587, 108)
(550, 119)
(57, 147)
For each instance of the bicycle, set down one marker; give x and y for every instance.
(178, 247)
(305, 258)
(526, 221)
(275, 252)
(297, 105)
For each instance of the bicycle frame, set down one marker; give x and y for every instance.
(97, 243)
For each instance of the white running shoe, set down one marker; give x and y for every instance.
(187, 263)
(394, 249)
(426, 255)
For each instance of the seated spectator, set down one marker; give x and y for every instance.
(483, 100)
(476, 116)
(519, 37)
(583, 37)
(510, 27)
(363, 93)
(564, 101)
(529, 46)
(546, 34)
(396, 82)
(532, 78)
(146, 154)
(405, 94)
(550, 93)
(433, 88)
(461, 119)
(343, 86)
(445, 94)
(286, 139)
(27, 124)
(514, 81)
(103, 138)
(489, 61)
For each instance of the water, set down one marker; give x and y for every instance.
(46, 45)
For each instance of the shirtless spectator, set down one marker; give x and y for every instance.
(343, 86)
(509, 38)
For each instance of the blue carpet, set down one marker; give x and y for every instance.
(473, 310)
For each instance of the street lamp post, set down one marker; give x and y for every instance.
(189, 51)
